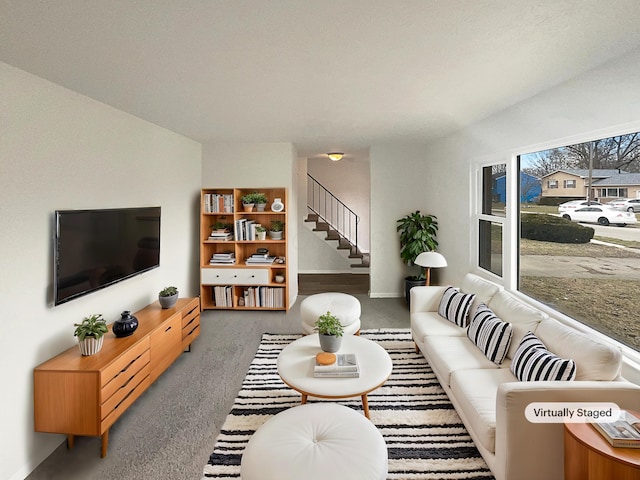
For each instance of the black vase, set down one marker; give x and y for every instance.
(126, 325)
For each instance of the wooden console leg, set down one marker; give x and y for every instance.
(105, 444)
(304, 399)
(365, 406)
(70, 441)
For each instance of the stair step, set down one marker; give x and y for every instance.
(311, 218)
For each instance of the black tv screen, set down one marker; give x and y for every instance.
(97, 248)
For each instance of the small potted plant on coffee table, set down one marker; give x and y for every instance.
(90, 333)
(168, 297)
(330, 332)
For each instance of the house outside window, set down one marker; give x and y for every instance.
(569, 184)
(552, 184)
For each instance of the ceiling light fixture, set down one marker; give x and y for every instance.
(335, 156)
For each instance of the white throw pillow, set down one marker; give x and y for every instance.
(454, 306)
(490, 334)
(532, 362)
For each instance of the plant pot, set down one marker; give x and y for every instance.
(409, 283)
(90, 345)
(261, 235)
(275, 235)
(330, 343)
(168, 302)
(248, 207)
(260, 207)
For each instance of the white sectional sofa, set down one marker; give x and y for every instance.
(490, 399)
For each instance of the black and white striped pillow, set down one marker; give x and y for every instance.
(490, 334)
(532, 361)
(454, 306)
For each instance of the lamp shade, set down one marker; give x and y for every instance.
(431, 260)
(335, 156)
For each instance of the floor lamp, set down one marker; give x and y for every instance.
(430, 260)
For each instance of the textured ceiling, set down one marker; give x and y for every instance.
(324, 75)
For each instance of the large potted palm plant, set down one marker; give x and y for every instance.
(417, 235)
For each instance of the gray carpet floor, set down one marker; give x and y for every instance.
(170, 431)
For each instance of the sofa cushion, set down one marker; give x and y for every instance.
(476, 392)
(483, 289)
(447, 354)
(595, 360)
(490, 334)
(533, 362)
(454, 306)
(430, 323)
(522, 317)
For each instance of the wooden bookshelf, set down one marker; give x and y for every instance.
(241, 286)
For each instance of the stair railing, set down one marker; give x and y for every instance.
(333, 211)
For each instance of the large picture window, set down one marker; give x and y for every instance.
(596, 282)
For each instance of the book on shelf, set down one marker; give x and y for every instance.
(624, 432)
(218, 203)
(221, 236)
(260, 260)
(346, 365)
(224, 258)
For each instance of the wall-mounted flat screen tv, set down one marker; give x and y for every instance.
(97, 248)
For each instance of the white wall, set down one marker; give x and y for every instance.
(401, 183)
(249, 165)
(60, 150)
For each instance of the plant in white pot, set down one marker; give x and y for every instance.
(275, 232)
(90, 333)
(260, 199)
(330, 332)
(168, 297)
(261, 232)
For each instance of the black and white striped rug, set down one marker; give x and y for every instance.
(424, 435)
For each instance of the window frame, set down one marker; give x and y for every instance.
(511, 228)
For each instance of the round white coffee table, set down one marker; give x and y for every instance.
(296, 363)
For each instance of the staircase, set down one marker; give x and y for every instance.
(336, 219)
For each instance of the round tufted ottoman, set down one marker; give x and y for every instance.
(345, 307)
(319, 441)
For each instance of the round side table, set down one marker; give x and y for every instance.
(588, 456)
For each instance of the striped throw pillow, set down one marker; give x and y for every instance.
(454, 306)
(490, 334)
(532, 361)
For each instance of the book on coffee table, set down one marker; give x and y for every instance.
(346, 365)
(624, 432)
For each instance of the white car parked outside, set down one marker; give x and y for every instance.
(573, 204)
(601, 215)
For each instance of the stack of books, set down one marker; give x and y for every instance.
(221, 236)
(346, 365)
(223, 258)
(624, 432)
(260, 259)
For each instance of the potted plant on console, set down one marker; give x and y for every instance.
(90, 333)
(417, 235)
(330, 332)
(168, 297)
(277, 227)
